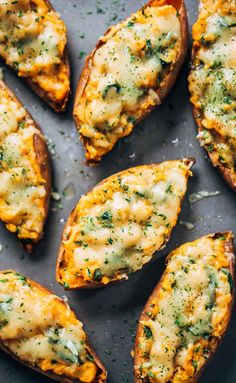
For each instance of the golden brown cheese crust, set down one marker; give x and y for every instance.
(33, 42)
(190, 370)
(39, 177)
(60, 313)
(214, 135)
(93, 149)
(117, 227)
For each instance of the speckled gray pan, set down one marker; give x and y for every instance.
(110, 314)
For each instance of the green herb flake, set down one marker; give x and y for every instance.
(81, 55)
(169, 189)
(106, 219)
(97, 275)
(130, 24)
(195, 364)
(116, 86)
(230, 279)
(147, 331)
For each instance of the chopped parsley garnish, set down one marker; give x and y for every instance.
(130, 24)
(147, 331)
(97, 275)
(169, 189)
(230, 279)
(106, 219)
(116, 86)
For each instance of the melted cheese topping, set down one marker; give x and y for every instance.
(40, 329)
(22, 188)
(32, 41)
(213, 79)
(189, 312)
(125, 73)
(118, 226)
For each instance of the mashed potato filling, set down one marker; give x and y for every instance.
(212, 81)
(40, 329)
(188, 312)
(22, 187)
(32, 41)
(125, 72)
(119, 225)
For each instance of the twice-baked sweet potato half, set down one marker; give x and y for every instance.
(33, 42)
(118, 226)
(130, 71)
(188, 312)
(41, 331)
(25, 171)
(212, 83)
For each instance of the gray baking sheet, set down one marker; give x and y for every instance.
(110, 314)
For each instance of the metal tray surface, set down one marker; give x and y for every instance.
(110, 315)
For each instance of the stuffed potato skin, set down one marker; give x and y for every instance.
(23, 150)
(59, 330)
(212, 84)
(99, 140)
(218, 294)
(118, 226)
(33, 43)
